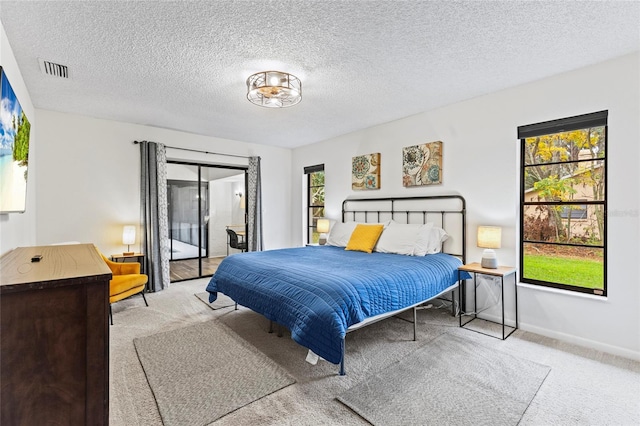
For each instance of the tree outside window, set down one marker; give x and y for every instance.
(563, 204)
(315, 197)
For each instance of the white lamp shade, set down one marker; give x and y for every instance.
(489, 237)
(129, 235)
(322, 226)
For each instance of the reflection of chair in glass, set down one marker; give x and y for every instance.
(234, 241)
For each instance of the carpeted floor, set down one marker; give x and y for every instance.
(584, 387)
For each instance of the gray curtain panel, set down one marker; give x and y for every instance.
(254, 206)
(154, 215)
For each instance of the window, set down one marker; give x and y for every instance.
(574, 212)
(315, 199)
(563, 224)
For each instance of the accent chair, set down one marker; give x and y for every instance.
(126, 281)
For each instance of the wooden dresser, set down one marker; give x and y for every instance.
(54, 336)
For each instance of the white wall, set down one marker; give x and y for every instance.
(220, 216)
(88, 178)
(481, 162)
(239, 210)
(224, 213)
(19, 229)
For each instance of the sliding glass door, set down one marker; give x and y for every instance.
(203, 200)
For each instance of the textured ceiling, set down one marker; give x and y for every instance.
(183, 65)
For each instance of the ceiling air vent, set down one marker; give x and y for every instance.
(53, 69)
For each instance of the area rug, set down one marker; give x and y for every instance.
(451, 380)
(221, 302)
(202, 372)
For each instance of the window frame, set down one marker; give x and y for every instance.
(580, 122)
(311, 219)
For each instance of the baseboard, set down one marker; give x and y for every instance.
(592, 344)
(580, 341)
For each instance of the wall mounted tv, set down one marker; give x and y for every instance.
(14, 151)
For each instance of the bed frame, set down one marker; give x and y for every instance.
(446, 211)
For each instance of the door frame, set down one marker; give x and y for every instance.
(244, 169)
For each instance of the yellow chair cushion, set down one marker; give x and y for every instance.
(123, 286)
(364, 238)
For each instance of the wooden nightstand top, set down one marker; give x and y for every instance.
(501, 271)
(126, 256)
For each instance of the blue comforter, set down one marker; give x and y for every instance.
(320, 291)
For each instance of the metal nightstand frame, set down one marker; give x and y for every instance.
(501, 272)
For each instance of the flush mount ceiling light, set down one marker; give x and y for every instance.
(274, 89)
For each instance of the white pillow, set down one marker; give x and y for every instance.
(340, 232)
(399, 239)
(430, 240)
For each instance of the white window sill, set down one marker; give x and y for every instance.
(562, 292)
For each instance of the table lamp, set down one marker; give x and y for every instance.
(489, 238)
(128, 238)
(323, 227)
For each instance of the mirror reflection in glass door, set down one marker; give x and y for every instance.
(202, 201)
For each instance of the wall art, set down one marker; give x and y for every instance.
(365, 172)
(422, 164)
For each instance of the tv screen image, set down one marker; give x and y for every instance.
(14, 150)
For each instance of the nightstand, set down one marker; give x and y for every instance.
(502, 272)
(137, 257)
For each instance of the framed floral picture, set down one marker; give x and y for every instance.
(365, 172)
(422, 164)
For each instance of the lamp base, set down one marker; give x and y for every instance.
(322, 240)
(489, 259)
(128, 253)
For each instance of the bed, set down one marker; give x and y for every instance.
(321, 293)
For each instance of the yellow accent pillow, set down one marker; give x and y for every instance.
(364, 238)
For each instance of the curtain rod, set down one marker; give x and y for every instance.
(200, 151)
